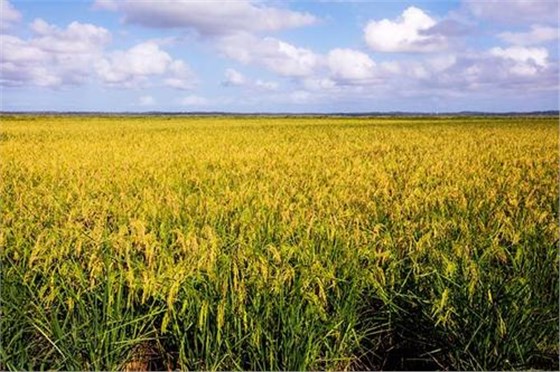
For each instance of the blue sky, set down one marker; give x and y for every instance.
(279, 56)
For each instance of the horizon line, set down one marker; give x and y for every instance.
(552, 112)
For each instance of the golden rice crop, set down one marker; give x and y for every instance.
(279, 243)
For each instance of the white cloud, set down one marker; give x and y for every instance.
(539, 34)
(352, 76)
(231, 26)
(77, 38)
(526, 61)
(54, 56)
(237, 79)
(147, 101)
(287, 59)
(497, 70)
(276, 55)
(139, 61)
(350, 65)
(537, 56)
(233, 78)
(194, 100)
(409, 33)
(8, 15)
(137, 64)
(208, 17)
(21, 51)
(180, 76)
(515, 11)
(494, 71)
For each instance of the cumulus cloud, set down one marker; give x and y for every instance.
(350, 65)
(77, 38)
(287, 59)
(233, 78)
(525, 61)
(515, 11)
(347, 75)
(56, 56)
(497, 70)
(139, 61)
(537, 56)
(8, 15)
(22, 63)
(53, 56)
(409, 33)
(137, 64)
(537, 35)
(276, 55)
(208, 17)
(233, 28)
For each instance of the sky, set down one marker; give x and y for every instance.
(279, 56)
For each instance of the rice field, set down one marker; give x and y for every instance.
(271, 243)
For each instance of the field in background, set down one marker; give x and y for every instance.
(279, 243)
